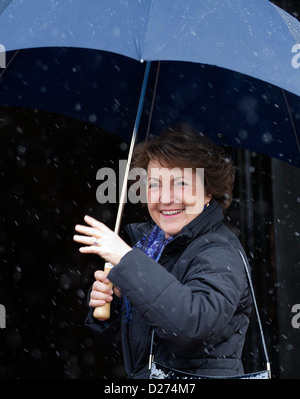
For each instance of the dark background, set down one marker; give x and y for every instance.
(48, 165)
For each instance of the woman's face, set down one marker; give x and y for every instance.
(175, 196)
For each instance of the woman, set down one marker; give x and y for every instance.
(183, 276)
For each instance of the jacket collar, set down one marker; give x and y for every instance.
(212, 215)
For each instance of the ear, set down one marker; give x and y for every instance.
(207, 198)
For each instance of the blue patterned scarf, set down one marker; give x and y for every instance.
(153, 245)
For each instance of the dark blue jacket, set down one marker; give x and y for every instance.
(196, 299)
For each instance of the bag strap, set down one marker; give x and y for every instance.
(268, 365)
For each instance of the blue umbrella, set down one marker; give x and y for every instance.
(253, 37)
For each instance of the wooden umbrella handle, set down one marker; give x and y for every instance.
(103, 312)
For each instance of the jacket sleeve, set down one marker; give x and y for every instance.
(189, 311)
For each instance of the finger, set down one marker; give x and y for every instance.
(100, 275)
(102, 288)
(91, 249)
(89, 231)
(117, 292)
(85, 240)
(95, 303)
(101, 296)
(96, 224)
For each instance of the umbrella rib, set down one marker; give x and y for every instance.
(132, 144)
(153, 100)
(10, 61)
(292, 119)
(4, 4)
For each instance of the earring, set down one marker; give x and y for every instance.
(206, 205)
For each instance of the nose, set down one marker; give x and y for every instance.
(167, 193)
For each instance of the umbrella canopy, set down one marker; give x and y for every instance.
(252, 37)
(103, 89)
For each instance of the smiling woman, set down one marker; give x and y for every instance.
(182, 276)
(185, 170)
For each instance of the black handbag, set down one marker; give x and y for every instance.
(160, 371)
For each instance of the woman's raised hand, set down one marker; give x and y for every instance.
(101, 240)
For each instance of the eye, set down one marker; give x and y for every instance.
(153, 185)
(181, 183)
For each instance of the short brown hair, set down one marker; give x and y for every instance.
(184, 147)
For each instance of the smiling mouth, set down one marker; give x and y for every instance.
(171, 212)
